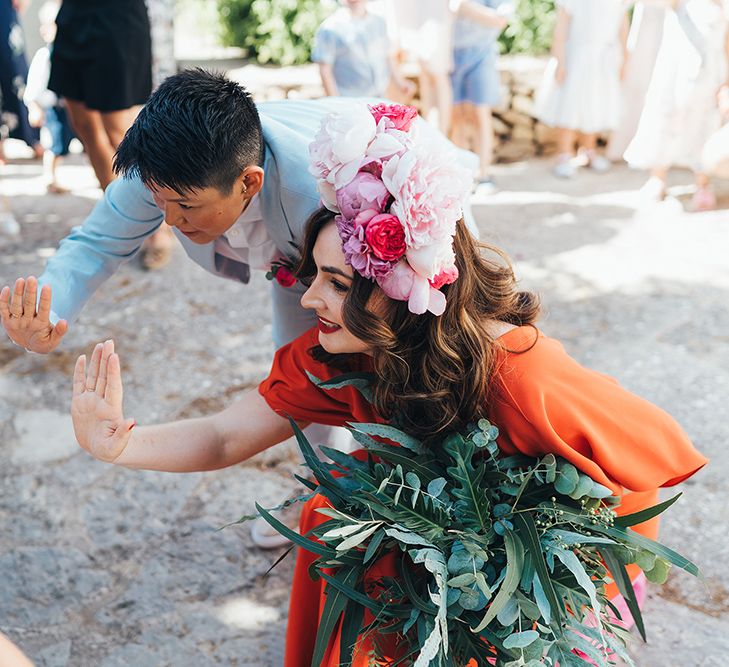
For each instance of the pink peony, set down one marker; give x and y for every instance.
(430, 189)
(432, 259)
(365, 191)
(401, 116)
(403, 284)
(399, 282)
(386, 237)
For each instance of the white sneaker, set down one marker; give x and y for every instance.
(653, 190)
(599, 163)
(265, 536)
(565, 167)
(484, 186)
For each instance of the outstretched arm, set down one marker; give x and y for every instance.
(245, 428)
(111, 234)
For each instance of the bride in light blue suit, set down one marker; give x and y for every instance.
(229, 177)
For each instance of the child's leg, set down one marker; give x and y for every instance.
(485, 139)
(588, 147)
(459, 126)
(566, 141)
(704, 198)
(444, 95)
(564, 167)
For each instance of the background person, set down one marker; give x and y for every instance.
(681, 109)
(44, 108)
(580, 90)
(13, 73)
(476, 84)
(355, 56)
(102, 67)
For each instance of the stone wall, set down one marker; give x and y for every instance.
(518, 134)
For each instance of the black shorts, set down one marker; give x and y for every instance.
(102, 55)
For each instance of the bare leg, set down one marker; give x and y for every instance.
(565, 141)
(485, 139)
(427, 93)
(444, 100)
(116, 123)
(50, 165)
(704, 198)
(588, 142)
(565, 167)
(459, 120)
(89, 128)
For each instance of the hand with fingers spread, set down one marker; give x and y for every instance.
(28, 326)
(96, 406)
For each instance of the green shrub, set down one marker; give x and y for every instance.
(530, 30)
(273, 31)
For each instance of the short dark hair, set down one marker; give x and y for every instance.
(198, 129)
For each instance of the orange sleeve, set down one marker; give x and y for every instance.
(289, 391)
(548, 403)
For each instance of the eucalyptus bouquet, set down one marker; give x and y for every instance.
(500, 560)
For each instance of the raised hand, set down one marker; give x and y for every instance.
(25, 325)
(96, 406)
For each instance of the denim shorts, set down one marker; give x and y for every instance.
(474, 77)
(60, 130)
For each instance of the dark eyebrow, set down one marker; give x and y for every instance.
(333, 269)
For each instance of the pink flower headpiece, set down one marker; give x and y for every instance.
(397, 201)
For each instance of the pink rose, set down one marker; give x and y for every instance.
(445, 277)
(400, 115)
(386, 237)
(284, 277)
(365, 191)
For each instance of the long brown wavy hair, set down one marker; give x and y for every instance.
(432, 373)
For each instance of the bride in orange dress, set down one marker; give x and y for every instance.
(402, 289)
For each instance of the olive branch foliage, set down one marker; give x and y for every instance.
(501, 560)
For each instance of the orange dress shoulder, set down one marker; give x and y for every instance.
(543, 402)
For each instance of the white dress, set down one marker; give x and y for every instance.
(588, 99)
(681, 110)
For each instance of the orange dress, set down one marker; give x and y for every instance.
(544, 402)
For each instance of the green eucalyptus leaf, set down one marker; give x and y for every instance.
(362, 382)
(658, 574)
(514, 563)
(521, 639)
(390, 433)
(567, 478)
(373, 546)
(645, 560)
(645, 515)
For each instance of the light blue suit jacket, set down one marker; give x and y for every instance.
(127, 214)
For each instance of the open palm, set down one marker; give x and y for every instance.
(96, 406)
(26, 325)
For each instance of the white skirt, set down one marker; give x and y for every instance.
(588, 100)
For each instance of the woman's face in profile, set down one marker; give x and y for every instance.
(326, 294)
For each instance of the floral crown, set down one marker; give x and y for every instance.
(397, 201)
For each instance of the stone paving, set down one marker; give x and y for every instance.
(106, 567)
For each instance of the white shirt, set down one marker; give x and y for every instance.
(36, 89)
(248, 240)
